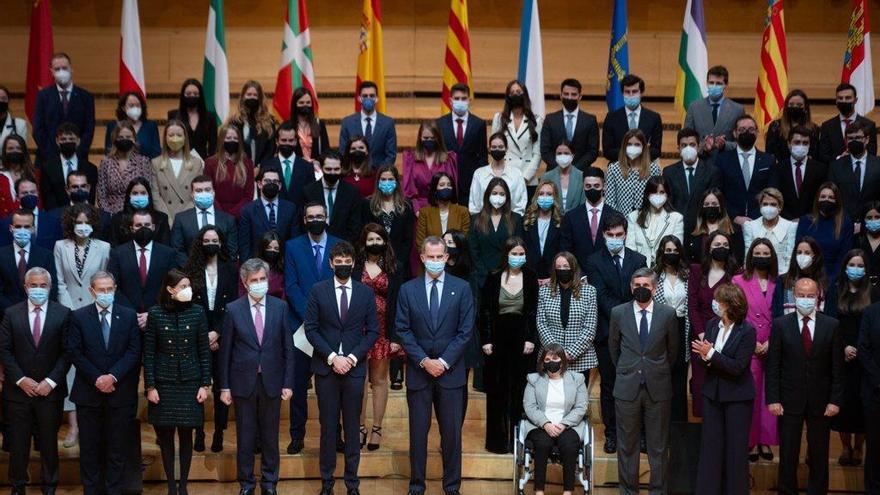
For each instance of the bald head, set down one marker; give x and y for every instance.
(806, 287)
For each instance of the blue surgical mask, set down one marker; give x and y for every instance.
(82, 230)
(203, 200)
(872, 225)
(632, 102)
(715, 92)
(805, 305)
(516, 261)
(368, 104)
(614, 245)
(139, 202)
(105, 300)
(435, 266)
(258, 290)
(716, 308)
(38, 295)
(545, 202)
(387, 187)
(22, 236)
(855, 273)
(460, 107)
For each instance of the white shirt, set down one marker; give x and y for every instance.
(31, 316)
(723, 337)
(364, 117)
(852, 118)
(862, 162)
(574, 120)
(209, 211)
(176, 165)
(338, 290)
(515, 182)
(543, 227)
(750, 156)
(649, 315)
(811, 325)
(211, 286)
(554, 406)
(148, 253)
(108, 309)
(74, 161)
(676, 296)
(444, 220)
(598, 208)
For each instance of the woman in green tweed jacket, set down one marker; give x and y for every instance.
(177, 372)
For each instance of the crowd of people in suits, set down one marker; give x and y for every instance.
(248, 261)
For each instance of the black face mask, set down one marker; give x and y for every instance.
(570, 104)
(124, 145)
(746, 140)
(452, 251)
(796, 114)
(375, 249)
(642, 294)
(761, 262)
(252, 104)
(67, 149)
(143, 236)
(285, 150)
(331, 179)
(270, 190)
(845, 107)
(429, 145)
(342, 272)
(552, 366)
(497, 155)
(671, 259)
(357, 156)
(230, 147)
(593, 195)
(15, 158)
(444, 194)
(210, 250)
(316, 227)
(855, 147)
(4, 107)
(271, 256)
(712, 213)
(304, 111)
(720, 253)
(827, 208)
(563, 276)
(190, 101)
(515, 101)
(79, 196)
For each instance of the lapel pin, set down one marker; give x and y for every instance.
(452, 293)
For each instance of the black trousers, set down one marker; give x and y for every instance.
(447, 405)
(166, 445)
(791, 427)
(340, 394)
(679, 380)
(568, 443)
(724, 448)
(607, 374)
(103, 450)
(26, 418)
(221, 410)
(257, 417)
(299, 404)
(872, 443)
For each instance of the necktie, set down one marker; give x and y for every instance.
(329, 204)
(616, 259)
(690, 180)
(69, 167)
(318, 257)
(857, 175)
(368, 132)
(806, 338)
(65, 101)
(459, 131)
(258, 323)
(38, 326)
(846, 123)
(105, 329)
(715, 113)
(594, 223)
(204, 218)
(434, 306)
(569, 127)
(747, 173)
(633, 123)
(22, 266)
(272, 222)
(643, 330)
(798, 177)
(288, 171)
(343, 303)
(142, 266)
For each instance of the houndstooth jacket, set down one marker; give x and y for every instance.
(577, 337)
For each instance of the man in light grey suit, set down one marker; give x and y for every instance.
(643, 341)
(714, 117)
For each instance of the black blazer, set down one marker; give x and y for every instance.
(203, 138)
(11, 289)
(394, 282)
(541, 263)
(253, 223)
(92, 359)
(264, 143)
(49, 115)
(706, 176)
(488, 316)
(120, 228)
(840, 172)
(617, 124)
(473, 152)
(303, 174)
(186, 228)
(728, 373)
(796, 206)
(227, 291)
(869, 353)
(319, 145)
(832, 143)
(124, 266)
(576, 237)
(347, 217)
(611, 289)
(402, 232)
(804, 384)
(53, 186)
(584, 143)
(22, 359)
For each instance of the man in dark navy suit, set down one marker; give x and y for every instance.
(376, 127)
(465, 134)
(20, 256)
(79, 190)
(341, 324)
(188, 222)
(570, 125)
(343, 204)
(435, 318)
(256, 373)
(296, 172)
(105, 348)
(688, 178)
(59, 103)
(745, 171)
(47, 225)
(55, 170)
(631, 116)
(582, 226)
(268, 212)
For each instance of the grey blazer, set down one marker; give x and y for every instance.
(575, 195)
(73, 289)
(699, 118)
(535, 401)
(172, 194)
(653, 365)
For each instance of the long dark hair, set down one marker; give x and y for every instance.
(201, 108)
(387, 261)
(527, 110)
(815, 271)
(773, 271)
(838, 217)
(432, 191)
(314, 127)
(730, 266)
(655, 182)
(196, 263)
(511, 242)
(142, 181)
(853, 302)
(463, 260)
(366, 168)
(164, 299)
(785, 122)
(682, 269)
(70, 214)
(267, 239)
(483, 219)
(120, 107)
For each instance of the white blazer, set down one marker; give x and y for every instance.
(522, 153)
(73, 289)
(13, 126)
(782, 237)
(646, 240)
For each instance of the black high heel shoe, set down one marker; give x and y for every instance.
(377, 430)
(765, 452)
(363, 436)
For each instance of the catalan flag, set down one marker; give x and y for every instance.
(296, 68)
(457, 62)
(693, 59)
(857, 59)
(371, 66)
(773, 73)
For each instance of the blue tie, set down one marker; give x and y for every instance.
(643, 330)
(434, 306)
(317, 248)
(105, 329)
(272, 220)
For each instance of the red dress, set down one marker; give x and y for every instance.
(382, 347)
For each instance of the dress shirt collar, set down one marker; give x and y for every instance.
(320, 242)
(638, 309)
(266, 202)
(599, 206)
(464, 118)
(852, 118)
(209, 209)
(252, 302)
(32, 306)
(619, 253)
(794, 161)
(800, 318)
(69, 88)
(108, 309)
(148, 247)
(328, 186)
(337, 284)
(740, 151)
(566, 113)
(74, 159)
(862, 158)
(371, 116)
(440, 279)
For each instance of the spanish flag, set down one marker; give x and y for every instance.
(457, 63)
(773, 73)
(371, 66)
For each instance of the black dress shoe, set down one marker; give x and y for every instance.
(199, 443)
(246, 491)
(610, 445)
(295, 446)
(765, 452)
(268, 491)
(353, 491)
(753, 457)
(397, 385)
(413, 492)
(452, 492)
(326, 489)
(217, 441)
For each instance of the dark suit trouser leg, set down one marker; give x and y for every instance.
(221, 410)
(91, 436)
(329, 392)
(607, 376)
(21, 424)
(790, 430)
(737, 421)
(49, 415)
(656, 429)
(352, 402)
(131, 479)
(711, 463)
(447, 402)
(340, 394)
(872, 444)
(299, 406)
(818, 439)
(246, 432)
(269, 417)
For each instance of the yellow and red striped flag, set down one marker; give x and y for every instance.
(371, 66)
(773, 74)
(457, 62)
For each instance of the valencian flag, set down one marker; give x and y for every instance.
(40, 49)
(297, 69)
(131, 60)
(457, 62)
(215, 73)
(371, 66)
(693, 59)
(857, 59)
(531, 63)
(773, 73)
(618, 57)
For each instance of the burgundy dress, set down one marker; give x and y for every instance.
(700, 297)
(229, 197)
(364, 185)
(382, 347)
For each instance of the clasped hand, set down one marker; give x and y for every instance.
(434, 367)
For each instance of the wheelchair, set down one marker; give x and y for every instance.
(523, 461)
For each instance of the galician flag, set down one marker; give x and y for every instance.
(857, 59)
(131, 60)
(215, 76)
(693, 58)
(296, 69)
(531, 62)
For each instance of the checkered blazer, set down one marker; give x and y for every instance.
(577, 337)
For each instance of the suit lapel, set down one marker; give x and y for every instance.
(445, 301)
(68, 249)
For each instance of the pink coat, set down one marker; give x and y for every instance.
(417, 177)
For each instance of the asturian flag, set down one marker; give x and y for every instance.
(131, 62)
(531, 64)
(618, 56)
(693, 59)
(857, 59)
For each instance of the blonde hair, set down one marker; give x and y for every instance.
(532, 212)
(264, 121)
(164, 159)
(240, 166)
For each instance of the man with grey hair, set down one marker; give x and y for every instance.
(643, 341)
(255, 372)
(33, 346)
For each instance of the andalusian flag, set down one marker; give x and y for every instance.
(215, 77)
(371, 66)
(296, 60)
(773, 73)
(693, 59)
(857, 59)
(531, 58)
(457, 63)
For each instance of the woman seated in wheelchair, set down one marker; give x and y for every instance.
(555, 403)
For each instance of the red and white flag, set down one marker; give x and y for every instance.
(131, 61)
(857, 59)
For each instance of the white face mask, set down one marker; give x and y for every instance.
(564, 160)
(799, 151)
(657, 200)
(62, 77)
(633, 151)
(804, 261)
(497, 200)
(134, 113)
(184, 295)
(688, 154)
(769, 212)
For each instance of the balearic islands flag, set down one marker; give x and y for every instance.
(773, 73)
(531, 60)
(693, 59)
(371, 66)
(457, 62)
(131, 60)
(40, 48)
(857, 59)
(215, 74)
(297, 69)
